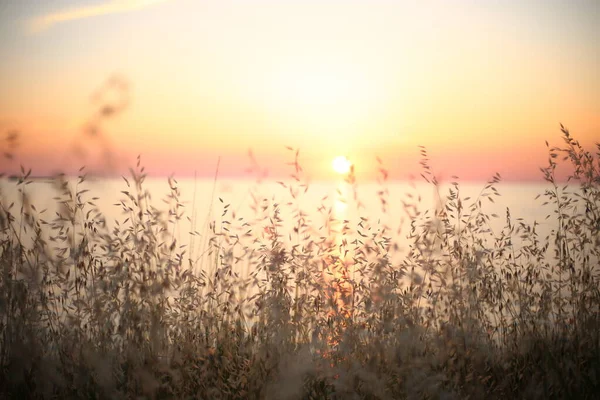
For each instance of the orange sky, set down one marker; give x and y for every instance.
(482, 84)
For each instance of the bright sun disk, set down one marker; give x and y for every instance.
(341, 165)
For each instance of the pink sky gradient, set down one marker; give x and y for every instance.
(481, 84)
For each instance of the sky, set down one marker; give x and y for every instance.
(204, 87)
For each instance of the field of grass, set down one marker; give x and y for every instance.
(92, 311)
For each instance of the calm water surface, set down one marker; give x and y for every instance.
(245, 212)
(318, 209)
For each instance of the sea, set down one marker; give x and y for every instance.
(294, 210)
(197, 216)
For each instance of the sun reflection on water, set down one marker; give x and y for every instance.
(337, 267)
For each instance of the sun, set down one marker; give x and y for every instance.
(341, 165)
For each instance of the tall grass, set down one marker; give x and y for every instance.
(92, 309)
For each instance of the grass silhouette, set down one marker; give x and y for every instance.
(90, 309)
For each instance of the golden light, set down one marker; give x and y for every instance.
(319, 98)
(332, 84)
(341, 165)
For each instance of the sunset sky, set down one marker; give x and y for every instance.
(481, 84)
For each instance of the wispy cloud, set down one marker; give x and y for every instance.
(43, 22)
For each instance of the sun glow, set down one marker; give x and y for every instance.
(341, 165)
(321, 99)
